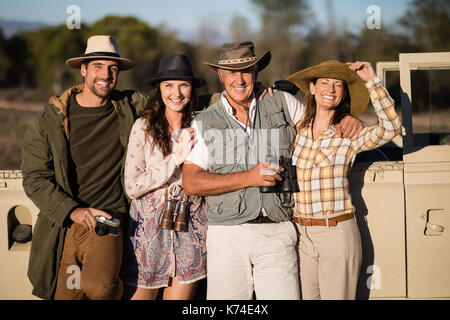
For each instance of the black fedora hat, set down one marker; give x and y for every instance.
(173, 67)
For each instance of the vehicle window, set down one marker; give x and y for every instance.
(430, 106)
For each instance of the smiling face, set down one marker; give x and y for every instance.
(175, 94)
(239, 84)
(328, 92)
(100, 76)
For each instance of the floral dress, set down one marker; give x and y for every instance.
(152, 255)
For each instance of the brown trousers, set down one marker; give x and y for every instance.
(90, 266)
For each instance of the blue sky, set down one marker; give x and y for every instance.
(186, 16)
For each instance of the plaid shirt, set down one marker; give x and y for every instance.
(323, 164)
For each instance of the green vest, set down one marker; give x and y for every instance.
(231, 150)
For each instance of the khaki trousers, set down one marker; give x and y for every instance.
(330, 260)
(252, 257)
(89, 266)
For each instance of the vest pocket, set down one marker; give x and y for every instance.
(228, 204)
(277, 119)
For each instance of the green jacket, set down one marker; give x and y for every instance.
(45, 171)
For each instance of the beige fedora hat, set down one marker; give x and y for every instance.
(359, 95)
(240, 55)
(101, 47)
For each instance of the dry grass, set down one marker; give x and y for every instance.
(12, 130)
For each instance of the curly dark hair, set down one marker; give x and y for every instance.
(157, 126)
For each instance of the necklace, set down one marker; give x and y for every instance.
(247, 122)
(175, 133)
(246, 109)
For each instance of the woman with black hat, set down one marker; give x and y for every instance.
(330, 244)
(165, 245)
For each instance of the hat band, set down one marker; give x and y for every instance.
(102, 54)
(236, 61)
(175, 73)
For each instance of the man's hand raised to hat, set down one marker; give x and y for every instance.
(363, 69)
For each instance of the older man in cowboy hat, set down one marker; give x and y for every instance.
(251, 239)
(73, 157)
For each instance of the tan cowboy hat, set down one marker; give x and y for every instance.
(240, 55)
(359, 95)
(101, 47)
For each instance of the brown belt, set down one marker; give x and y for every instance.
(332, 222)
(261, 219)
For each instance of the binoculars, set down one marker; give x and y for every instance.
(288, 183)
(288, 176)
(173, 219)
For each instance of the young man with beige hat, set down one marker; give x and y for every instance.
(251, 238)
(72, 164)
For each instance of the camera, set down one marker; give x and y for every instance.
(173, 219)
(288, 181)
(104, 226)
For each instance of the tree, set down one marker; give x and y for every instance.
(281, 15)
(279, 22)
(428, 24)
(239, 29)
(48, 49)
(5, 62)
(139, 42)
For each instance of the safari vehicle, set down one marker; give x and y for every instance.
(401, 192)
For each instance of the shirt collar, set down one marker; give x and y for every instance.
(328, 132)
(229, 109)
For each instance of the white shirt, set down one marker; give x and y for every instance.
(197, 156)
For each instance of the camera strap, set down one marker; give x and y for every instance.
(167, 192)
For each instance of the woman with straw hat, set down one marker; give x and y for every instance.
(330, 245)
(165, 246)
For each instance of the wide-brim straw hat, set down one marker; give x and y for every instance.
(359, 95)
(176, 67)
(101, 47)
(240, 55)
